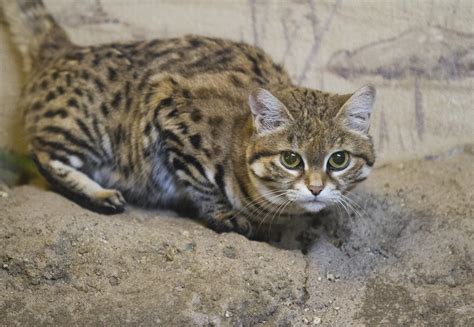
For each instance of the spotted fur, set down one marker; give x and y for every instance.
(193, 122)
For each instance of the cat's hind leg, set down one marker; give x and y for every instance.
(77, 186)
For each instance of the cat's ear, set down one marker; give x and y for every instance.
(356, 111)
(268, 112)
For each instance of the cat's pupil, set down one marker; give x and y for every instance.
(338, 158)
(291, 158)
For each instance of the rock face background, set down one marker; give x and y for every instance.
(403, 255)
(419, 54)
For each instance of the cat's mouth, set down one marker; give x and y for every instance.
(312, 205)
(315, 200)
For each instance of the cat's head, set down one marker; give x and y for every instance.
(309, 147)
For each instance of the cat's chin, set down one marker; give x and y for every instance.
(313, 206)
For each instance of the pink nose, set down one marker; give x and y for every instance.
(315, 189)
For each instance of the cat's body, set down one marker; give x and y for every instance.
(119, 98)
(169, 122)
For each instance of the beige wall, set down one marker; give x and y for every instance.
(419, 54)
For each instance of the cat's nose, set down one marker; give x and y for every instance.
(315, 190)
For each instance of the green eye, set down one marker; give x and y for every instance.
(291, 160)
(339, 160)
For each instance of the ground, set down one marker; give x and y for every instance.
(404, 258)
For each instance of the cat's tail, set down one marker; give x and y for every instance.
(34, 31)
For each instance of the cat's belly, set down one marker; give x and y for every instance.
(154, 186)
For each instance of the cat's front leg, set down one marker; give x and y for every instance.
(224, 220)
(216, 211)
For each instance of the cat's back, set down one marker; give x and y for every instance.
(192, 55)
(188, 55)
(118, 75)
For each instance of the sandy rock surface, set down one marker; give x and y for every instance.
(404, 257)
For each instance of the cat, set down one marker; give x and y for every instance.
(189, 122)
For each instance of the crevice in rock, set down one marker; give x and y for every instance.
(306, 294)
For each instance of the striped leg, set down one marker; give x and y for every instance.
(222, 219)
(77, 186)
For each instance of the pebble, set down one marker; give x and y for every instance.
(228, 314)
(230, 252)
(332, 277)
(316, 321)
(3, 194)
(114, 281)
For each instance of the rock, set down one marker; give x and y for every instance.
(230, 252)
(331, 277)
(389, 264)
(147, 270)
(316, 321)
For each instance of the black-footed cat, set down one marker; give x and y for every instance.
(193, 120)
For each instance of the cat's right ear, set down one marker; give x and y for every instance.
(269, 114)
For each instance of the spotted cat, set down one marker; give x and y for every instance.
(193, 122)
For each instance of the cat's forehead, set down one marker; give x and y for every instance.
(315, 125)
(315, 136)
(303, 102)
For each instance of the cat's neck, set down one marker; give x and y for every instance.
(241, 140)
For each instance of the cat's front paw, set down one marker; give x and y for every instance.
(231, 222)
(108, 201)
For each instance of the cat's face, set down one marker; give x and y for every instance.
(309, 148)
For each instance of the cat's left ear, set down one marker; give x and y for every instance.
(268, 112)
(356, 111)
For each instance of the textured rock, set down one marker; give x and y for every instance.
(78, 266)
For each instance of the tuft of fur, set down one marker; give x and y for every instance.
(33, 30)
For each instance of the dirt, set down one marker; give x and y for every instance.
(403, 256)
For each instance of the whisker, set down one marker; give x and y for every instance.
(356, 207)
(274, 213)
(344, 207)
(266, 215)
(353, 209)
(260, 199)
(279, 211)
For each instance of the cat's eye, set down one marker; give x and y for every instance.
(291, 160)
(339, 160)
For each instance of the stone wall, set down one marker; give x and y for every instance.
(418, 54)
